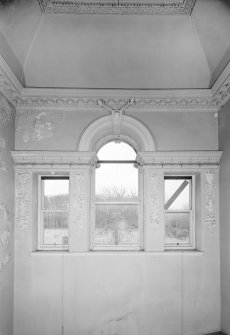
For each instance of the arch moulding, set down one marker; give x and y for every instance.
(102, 131)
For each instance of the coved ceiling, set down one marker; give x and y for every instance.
(178, 44)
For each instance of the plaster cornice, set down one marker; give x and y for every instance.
(180, 157)
(205, 100)
(72, 158)
(10, 87)
(121, 7)
(221, 88)
(145, 100)
(22, 158)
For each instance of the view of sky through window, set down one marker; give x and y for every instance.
(182, 201)
(116, 151)
(117, 177)
(54, 187)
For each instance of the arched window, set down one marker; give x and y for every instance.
(117, 200)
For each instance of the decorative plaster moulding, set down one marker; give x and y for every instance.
(10, 87)
(221, 88)
(30, 159)
(121, 7)
(53, 158)
(200, 100)
(159, 158)
(150, 100)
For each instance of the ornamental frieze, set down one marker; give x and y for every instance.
(120, 7)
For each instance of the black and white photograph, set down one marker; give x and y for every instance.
(114, 167)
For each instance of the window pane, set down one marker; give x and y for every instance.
(177, 194)
(177, 227)
(116, 182)
(116, 151)
(56, 194)
(116, 225)
(55, 228)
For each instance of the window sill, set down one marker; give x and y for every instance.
(117, 253)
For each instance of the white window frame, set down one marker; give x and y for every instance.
(139, 203)
(191, 211)
(41, 245)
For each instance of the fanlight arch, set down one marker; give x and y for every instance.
(131, 131)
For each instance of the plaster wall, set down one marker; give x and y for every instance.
(6, 217)
(117, 293)
(224, 142)
(62, 130)
(123, 293)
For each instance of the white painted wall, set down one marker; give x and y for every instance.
(224, 142)
(61, 130)
(6, 218)
(123, 293)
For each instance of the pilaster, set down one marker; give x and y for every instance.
(79, 209)
(153, 209)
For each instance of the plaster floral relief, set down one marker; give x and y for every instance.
(5, 110)
(23, 199)
(210, 190)
(6, 216)
(79, 199)
(155, 195)
(2, 142)
(35, 126)
(6, 175)
(2, 164)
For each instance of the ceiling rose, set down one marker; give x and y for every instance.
(122, 7)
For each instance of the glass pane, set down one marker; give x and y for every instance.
(116, 182)
(177, 194)
(116, 151)
(177, 226)
(116, 225)
(55, 228)
(56, 194)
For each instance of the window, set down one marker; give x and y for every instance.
(53, 212)
(116, 202)
(179, 212)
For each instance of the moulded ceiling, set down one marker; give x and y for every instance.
(147, 7)
(116, 51)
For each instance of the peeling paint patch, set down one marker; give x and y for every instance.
(2, 143)
(4, 237)
(36, 127)
(42, 128)
(3, 165)
(5, 110)
(6, 219)
(4, 261)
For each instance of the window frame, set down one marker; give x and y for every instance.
(139, 203)
(41, 245)
(191, 211)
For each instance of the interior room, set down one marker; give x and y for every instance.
(114, 167)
